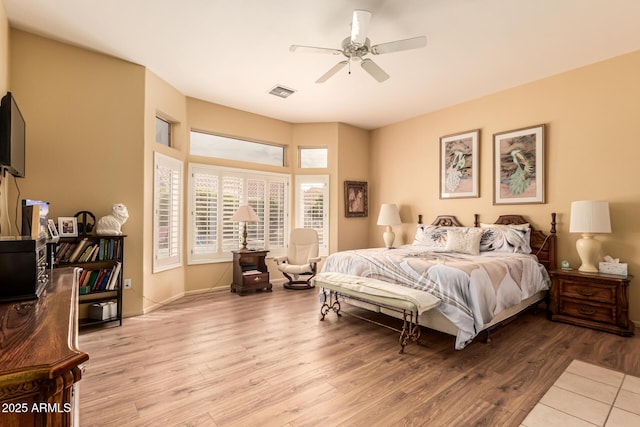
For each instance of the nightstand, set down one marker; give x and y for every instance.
(593, 300)
(249, 271)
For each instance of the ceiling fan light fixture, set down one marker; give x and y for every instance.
(281, 91)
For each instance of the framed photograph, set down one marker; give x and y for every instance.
(356, 199)
(53, 231)
(68, 226)
(518, 163)
(459, 165)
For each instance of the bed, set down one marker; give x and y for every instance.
(478, 276)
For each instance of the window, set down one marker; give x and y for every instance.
(313, 157)
(312, 206)
(216, 193)
(167, 196)
(163, 132)
(222, 147)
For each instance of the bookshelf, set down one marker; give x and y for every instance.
(100, 280)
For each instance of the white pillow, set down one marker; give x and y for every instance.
(430, 236)
(464, 240)
(514, 238)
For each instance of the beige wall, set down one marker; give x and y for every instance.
(353, 165)
(84, 113)
(162, 100)
(592, 150)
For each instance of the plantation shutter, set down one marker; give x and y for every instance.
(232, 192)
(256, 199)
(204, 230)
(312, 206)
(167, 198)
(277, 215)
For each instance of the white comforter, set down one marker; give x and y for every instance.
(472, 289)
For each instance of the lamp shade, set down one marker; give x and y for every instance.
(389, 214)
(590, 216)
(245, 214)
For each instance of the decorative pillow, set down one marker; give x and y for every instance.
(506, 238)
(431, 236)
(463, 239)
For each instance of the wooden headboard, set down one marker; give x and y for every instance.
(542, 245)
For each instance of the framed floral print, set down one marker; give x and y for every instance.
(459, 165)
(518, 162)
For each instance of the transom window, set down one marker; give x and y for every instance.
(313, 157)
(163, 131)
(223, 147)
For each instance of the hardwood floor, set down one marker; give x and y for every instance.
(265, 359)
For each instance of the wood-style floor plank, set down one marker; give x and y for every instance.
(265, 359)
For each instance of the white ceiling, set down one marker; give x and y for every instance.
(232, 52)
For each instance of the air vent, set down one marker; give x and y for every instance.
(281, 91)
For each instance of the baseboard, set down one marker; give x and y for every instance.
(157, 305)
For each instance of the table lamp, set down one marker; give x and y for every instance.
(389, 216)
(245, 214)
(589, 217)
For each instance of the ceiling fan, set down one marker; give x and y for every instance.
(357, 46)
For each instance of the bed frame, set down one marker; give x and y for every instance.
(542, 245)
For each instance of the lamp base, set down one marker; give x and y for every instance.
(388, 236)
(589, 250)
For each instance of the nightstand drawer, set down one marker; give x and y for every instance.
(255, 280)
(596, 313)
(588, 291)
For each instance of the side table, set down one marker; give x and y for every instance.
(593, 300)
(250, 271)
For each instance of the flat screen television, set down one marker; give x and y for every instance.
(12, 137)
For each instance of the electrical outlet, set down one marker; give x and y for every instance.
(127, 283)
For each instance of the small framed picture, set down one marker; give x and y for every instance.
(53, 231)
(68, 226)
(356, 203)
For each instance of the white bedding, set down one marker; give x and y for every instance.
(472, 288)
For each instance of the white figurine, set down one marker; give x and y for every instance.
(109, 225)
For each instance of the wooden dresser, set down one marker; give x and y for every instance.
(39, 356)
(594, 300)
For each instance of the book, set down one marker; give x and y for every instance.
(113, 282)
(92, 279)
(104, 284)
(78, 250)
(82, 276)
(86, 253)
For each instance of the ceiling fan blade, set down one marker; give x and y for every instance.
(375, 71)
(313, 49)
(398, 45)
(339, 66)
(360, 26)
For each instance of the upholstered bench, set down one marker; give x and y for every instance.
(406, 301)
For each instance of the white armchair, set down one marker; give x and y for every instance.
(301, 260)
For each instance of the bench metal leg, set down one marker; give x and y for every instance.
(410, 329)
(332, 305)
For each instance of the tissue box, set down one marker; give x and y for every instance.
(103, 310)
(618, 268)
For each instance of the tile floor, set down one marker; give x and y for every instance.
(588, 395)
